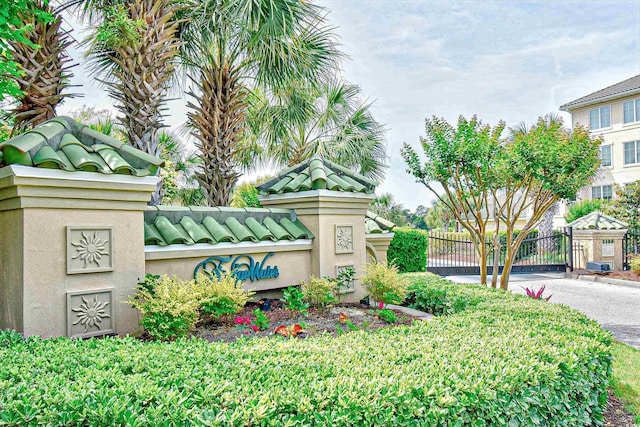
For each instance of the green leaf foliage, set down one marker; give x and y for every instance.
(408, 250)
(585, 207)
(503, 360)
(384, 284)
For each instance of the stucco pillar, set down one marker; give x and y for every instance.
(602, 246)
(380, 244)
(337, 220)
(72, 250)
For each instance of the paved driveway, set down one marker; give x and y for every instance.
(615, 307)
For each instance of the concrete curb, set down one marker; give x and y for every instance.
(420, 315)
(602, 279)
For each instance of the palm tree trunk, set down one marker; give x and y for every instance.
(217, 119)
(46, 70)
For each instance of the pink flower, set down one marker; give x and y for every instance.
(380, 305)
(247, 320)
(246, 332)
(239, 321)
(255, 328)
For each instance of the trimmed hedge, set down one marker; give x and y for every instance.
(408, 250)
(501, 360)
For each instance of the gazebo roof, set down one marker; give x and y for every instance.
(598, 221)
(317, 174)
(63, 143)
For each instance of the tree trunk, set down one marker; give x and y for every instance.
(217, 121)
(45, 71)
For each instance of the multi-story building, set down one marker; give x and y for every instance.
(614, 114)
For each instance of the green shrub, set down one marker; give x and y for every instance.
(635, 264)
(220, 296)
(505, 360)
(408, 250)
(585, 207)
(293, 299)
(319, 291)
(433, 294)
(384, 284)
(387, 315)
(168, 306)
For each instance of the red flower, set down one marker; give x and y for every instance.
(246, 332)
(381, 305)
(247, 320)
(255, 328)
(239, 321)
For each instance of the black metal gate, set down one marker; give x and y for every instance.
(454, 254)
(630, 248)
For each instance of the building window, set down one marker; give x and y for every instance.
(605, 155)
(631, 152)
(602, 192)
(631, 111)
(600, 117)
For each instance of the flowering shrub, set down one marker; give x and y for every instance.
(246, 325)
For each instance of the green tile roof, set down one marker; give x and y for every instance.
(63, 143)
(168, 225)
(376, 224)
(317, 174)
(598, 221)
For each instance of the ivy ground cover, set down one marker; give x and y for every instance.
(500, 360)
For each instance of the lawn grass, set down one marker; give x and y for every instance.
(626, 376)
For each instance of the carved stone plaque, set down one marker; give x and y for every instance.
(347, 287)
(89, 249)
(344, 239)
(90, 313)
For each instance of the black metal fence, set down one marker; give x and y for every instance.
(455, 253)
(630, 248)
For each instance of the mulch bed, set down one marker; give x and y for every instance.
(328, 320)
(616, 414)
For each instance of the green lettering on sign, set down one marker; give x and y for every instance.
(244, 267)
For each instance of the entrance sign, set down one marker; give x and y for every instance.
(244, 267)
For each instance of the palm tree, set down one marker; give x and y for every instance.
(231, 47)
(44, 65)
(387, 208)
(329, 119)
(133, 50)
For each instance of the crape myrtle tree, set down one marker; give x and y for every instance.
(486, 175)
(540, 165)
(462, 159)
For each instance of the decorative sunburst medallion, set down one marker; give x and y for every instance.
(90, 313)
(90, 249)
(344, 239)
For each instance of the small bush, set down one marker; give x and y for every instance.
(293, 299)
(220, 296)
(585, 207)
(408, 250)
(387, 315)
(168, 306)
(635, 264)
(319, 291)
(384, 283)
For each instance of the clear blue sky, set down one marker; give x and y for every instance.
(501, 60)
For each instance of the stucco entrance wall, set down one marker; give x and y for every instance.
(337, 222)
(293, 260)
(76, 250)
